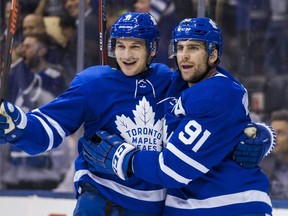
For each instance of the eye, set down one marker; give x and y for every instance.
(120, 46)
(193, 47)
(136, 46)
(179, 48)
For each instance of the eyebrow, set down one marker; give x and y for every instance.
(191, 45)
(133, 43)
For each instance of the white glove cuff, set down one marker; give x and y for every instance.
(119, 160)
(272, 135)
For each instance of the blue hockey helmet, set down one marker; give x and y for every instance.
(200, 29)
(134, 25)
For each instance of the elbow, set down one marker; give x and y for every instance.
(29, 148)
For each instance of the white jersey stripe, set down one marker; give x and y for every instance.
(48, 131)
(171, 172)
(218, 201)
(59, 129)
(186, 158)
(150, 196)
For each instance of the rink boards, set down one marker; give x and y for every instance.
(45, 203)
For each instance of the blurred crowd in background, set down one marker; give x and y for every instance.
(45, 59)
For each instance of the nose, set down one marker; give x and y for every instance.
(185, 54)
(127, 54)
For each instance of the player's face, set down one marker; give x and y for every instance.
(192, 60)
(131, 56)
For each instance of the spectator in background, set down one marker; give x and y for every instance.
(252, 17)
(68, 30)
(275, 166)
(34, 24)
(34, 72)
(28, 6)
(50, 8)
(91, 39)
(33, 82)
(275, 40)
(68, 27)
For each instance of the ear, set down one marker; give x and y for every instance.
(153, 53)
(213, 57)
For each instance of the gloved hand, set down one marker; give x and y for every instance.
(12, 122)
(261, 140)
(109, 154)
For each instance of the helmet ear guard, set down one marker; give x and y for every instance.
(153, 46)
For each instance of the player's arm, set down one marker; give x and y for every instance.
(25, 131)
(42, 130)
(174, 167)
(164, 166)
(260, 141)
(110, 154)
(48, 125)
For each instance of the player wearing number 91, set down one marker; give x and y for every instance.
(206, 113)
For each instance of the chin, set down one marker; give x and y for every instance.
(129, 73)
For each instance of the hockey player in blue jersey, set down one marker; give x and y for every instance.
(124, 101)
(206, 119)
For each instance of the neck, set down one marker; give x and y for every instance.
(209, 73)
(40, 67)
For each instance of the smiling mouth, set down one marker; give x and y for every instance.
(129, 63)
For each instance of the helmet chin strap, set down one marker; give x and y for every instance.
(150, 60)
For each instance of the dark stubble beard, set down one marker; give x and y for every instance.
(200, 76)
(33, 62)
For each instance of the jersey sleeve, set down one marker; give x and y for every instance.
(49, 124)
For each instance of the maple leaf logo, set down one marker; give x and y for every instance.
(143, 132)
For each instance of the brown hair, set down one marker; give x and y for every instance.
(280, 115)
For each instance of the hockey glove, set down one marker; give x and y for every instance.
(261, 140)
(109, 154)
(12, 122)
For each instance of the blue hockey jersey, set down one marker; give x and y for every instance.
(103, 98)
(196, 166)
